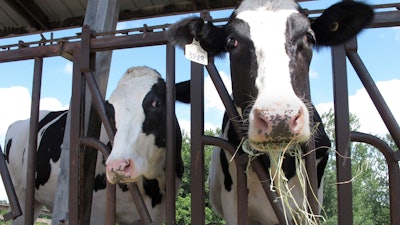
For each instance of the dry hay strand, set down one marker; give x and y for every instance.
(298, 212)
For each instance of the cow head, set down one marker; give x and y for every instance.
(270, 44)
(139, 106)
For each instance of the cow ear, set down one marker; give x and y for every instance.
(211, 38)
(182, 91)
(110, 114)
(341, 21)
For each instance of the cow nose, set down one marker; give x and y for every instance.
(119, 171)
(278, 124)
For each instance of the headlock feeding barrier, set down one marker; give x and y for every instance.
(81, 49)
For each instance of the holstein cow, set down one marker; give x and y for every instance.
(138, 154)
(270, 44)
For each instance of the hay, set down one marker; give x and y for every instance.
(297, 211)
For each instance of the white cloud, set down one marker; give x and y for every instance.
(16, 102)
(211, 97)
(361, 105)
(68, 67)
(313, 74)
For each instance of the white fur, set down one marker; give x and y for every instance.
(130, 142)
(267, 20)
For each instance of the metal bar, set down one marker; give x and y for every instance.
(312, 184)
(139, 203)
(393, 171)
(111, 188)
(111, 203)
(257, 166)
(375, 95)
(76, 108)
(197, 147)
(98, 103)
(9, 187)
(342, 131)
(241, 183)
(225, 97)
(32, 147)
(170, 136)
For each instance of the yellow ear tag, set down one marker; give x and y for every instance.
(194, 52)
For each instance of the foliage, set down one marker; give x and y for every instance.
(183, 213)
(369, 182)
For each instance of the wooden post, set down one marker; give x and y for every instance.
(101, 15)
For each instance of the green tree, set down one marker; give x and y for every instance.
(369, 182)
(183, 214)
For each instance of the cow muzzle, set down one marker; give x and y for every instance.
(282, 124)
(120, 171)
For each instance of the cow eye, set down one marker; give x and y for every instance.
(310, 38)
(156, 104)
(231, 43)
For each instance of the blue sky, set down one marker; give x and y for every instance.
(378, 48)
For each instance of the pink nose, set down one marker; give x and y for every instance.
(278, 125)
(119, 171)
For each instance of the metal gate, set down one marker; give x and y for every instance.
(81, 53)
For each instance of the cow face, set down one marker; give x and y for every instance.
(270, 46)
(140, 121)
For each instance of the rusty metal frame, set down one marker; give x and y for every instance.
(81, 75)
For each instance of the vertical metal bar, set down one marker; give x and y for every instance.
(197, 146)
(312, 186)
(32, 148)
(111, 203)
(73, 198)
(342, 131)
(170, 136)
(242, 191)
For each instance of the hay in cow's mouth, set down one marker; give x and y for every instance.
(298, 212)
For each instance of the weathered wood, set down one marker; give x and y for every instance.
(101, 16)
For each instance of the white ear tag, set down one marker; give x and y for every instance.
(194, 52)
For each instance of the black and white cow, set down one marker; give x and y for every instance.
(138, 107)
(270, 44)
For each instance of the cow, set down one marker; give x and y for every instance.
(137, 111)
(270, 45)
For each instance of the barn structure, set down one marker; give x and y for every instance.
(98, 19)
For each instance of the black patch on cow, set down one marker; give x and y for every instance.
(243, 63)
(155, 111)
(100, 182)
(7, 150)
(110, 112)
(225, 169)
(152, 189)
(154, 107)
(50, 144)
(323, 144)
(299, 48)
